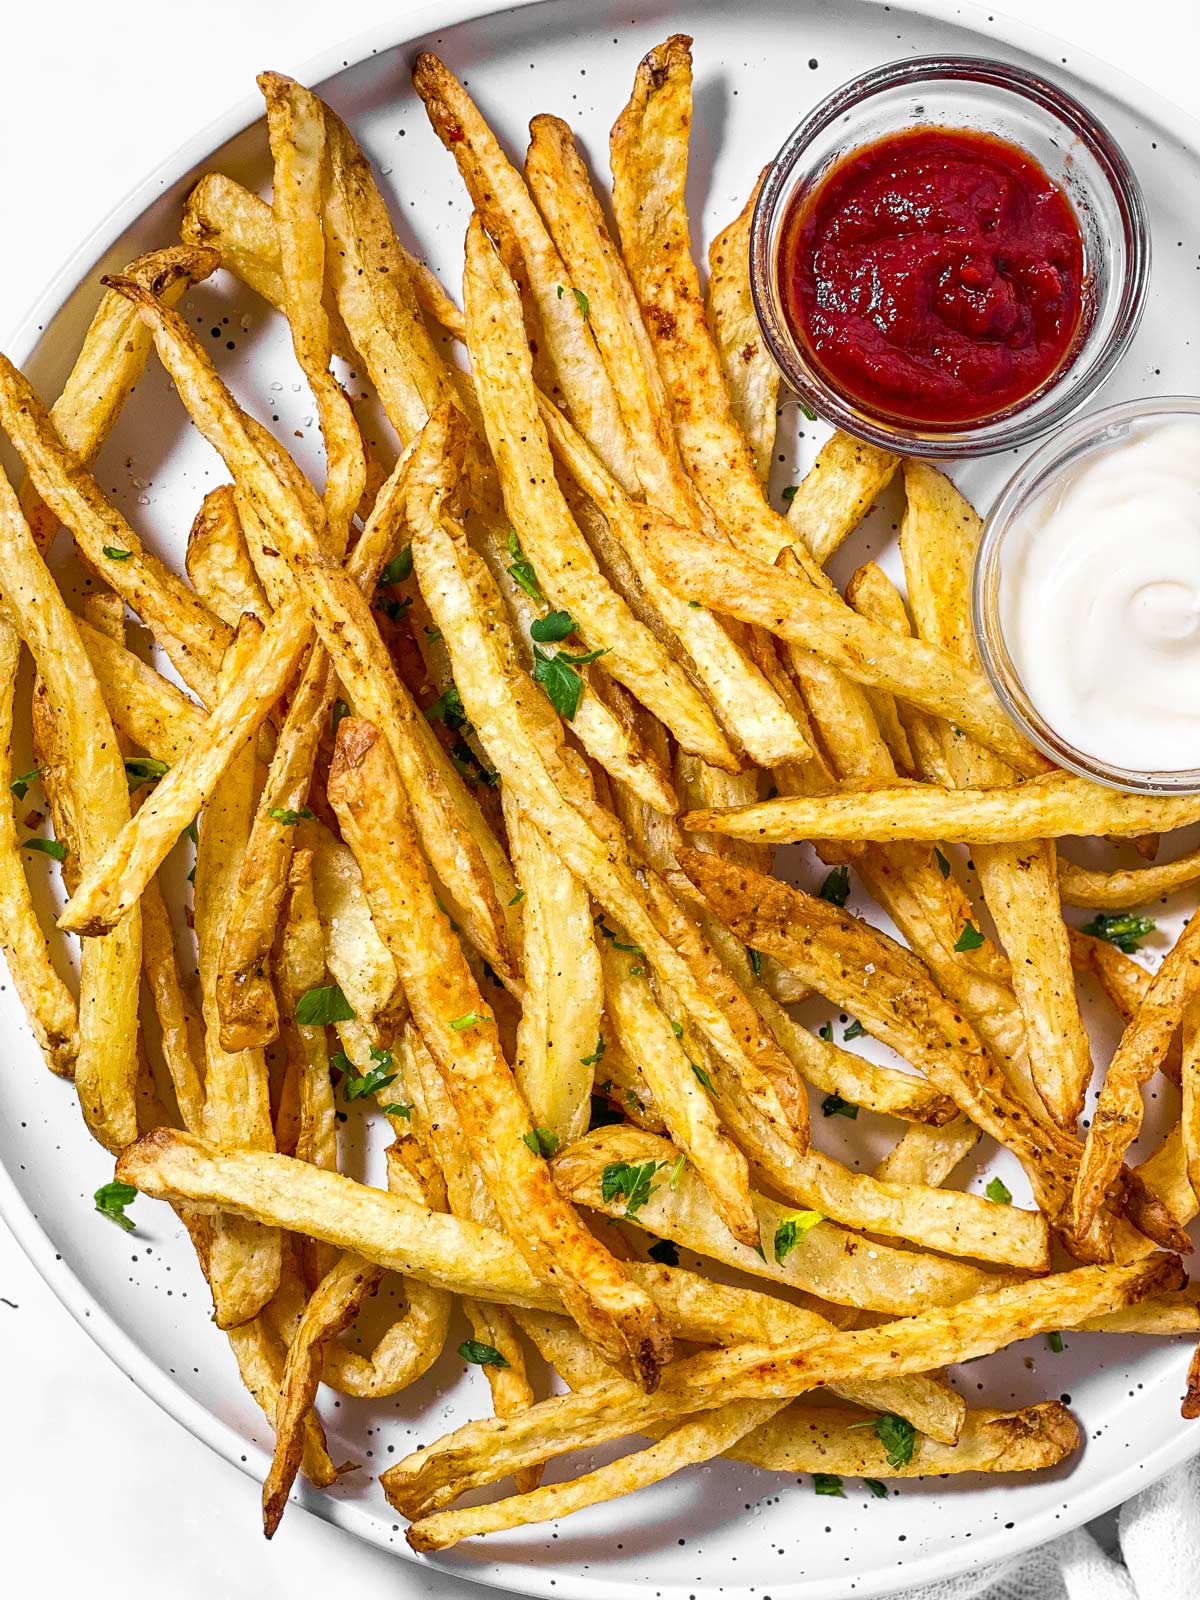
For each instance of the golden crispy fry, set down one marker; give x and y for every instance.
(331, 1310)
(566, 569)
(750, 373)
(938, 539)
(189, 634)
(569, 366)
(1123, 889)
(300, 967)
(356, 955)
(478, 1453)
(1123, 980)
(148, 709)
(836, 492)
(742, 586)
(825, 1261)
(459, 1030)
(564, 990)
(1189, 1114)
(1048, 807)
(218, 562)
(929, 1154)
(261, 1360)
(178, 1023)
(245, 1261)
(1177, 1312)
(49, 1004)
(106, 1061)
(648, 1038)
(1117, 1117)
(109, 364)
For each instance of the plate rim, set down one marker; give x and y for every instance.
(100, 1325)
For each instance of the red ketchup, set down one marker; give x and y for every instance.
(935, 276)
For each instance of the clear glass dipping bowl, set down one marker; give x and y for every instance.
(1077, 153)
(1037, 476)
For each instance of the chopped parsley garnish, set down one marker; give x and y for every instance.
(517, 898)
(553, 627)
(999, 1191)
(828, 1483)
(943, 864)
(581, 300)
(326, 1004)
(676, 1173)
(634, 1182)
(522, 570)
(394, 1108)
(469, 767)
(470, 1019)
(969, 939)
(854, 1031)
(448, 708)
(834, 1106)
(1124, 930)
(111, 1200)
(597, 1055)
(141, 770)
(677, 1027)
(791, 1230)
(115, 553)
(632, 949)
(703, 1079)
(289, 818)
(358, 1085)
(47, 847)
(20, 786)
(480, 1354)
(558, 677)
(541, 1141)
(399, 567)
(392, 608)
(789, 494)
(755, 957)
(340, 710)
(836, 888)
(665, 1252)
(879, 1490)
(807, 410)
(1055, 1341)
(825, 1031)
(897, 1436)
(192, 831)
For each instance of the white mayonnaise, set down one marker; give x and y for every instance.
(1099, 599)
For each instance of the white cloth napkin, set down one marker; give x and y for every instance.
(1157, 1556)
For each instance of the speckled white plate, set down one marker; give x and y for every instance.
(724, 1529)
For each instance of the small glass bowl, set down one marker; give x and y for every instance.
(1076, 152)
(1037, 476)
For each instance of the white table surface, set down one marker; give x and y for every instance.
(101, 1489)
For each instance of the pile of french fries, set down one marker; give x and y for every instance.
(484, 745)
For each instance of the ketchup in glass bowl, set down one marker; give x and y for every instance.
(948, 256)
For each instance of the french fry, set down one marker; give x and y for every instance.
(218, 562)
(929, 1154)
(750, 373)
(570, 368)
(1123, 980)
(146, 707)
(1189, 1114)
(365, 791)
(178, 1022)
(1123, 889)
(474, 1454)
(48, 1002)
(837, 491)
(564, 990)
(1047, 807)
(245, 1261)
(106, 1059)
(1118, 1114)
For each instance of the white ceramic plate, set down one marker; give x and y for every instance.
(723, 1529)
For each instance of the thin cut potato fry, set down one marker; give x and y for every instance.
(836, 492)
(106, 1059)
(1124, 889)
(245, 1261)
(218, 562)
(300, 966)
(564, 989)
(146, 707)
(189, 634)
(825, 1261)
(1123, 980)
(1046, 807)
(365, 791)
(356, 954)
(565, 566)
(570, 366)
(1118, 1113)
(648, 1038)
(480, 1452)
(48, 1001)
(1189, 1114)
(178, 1024)
(794, 609)
(750, 372)
(479, 1262)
